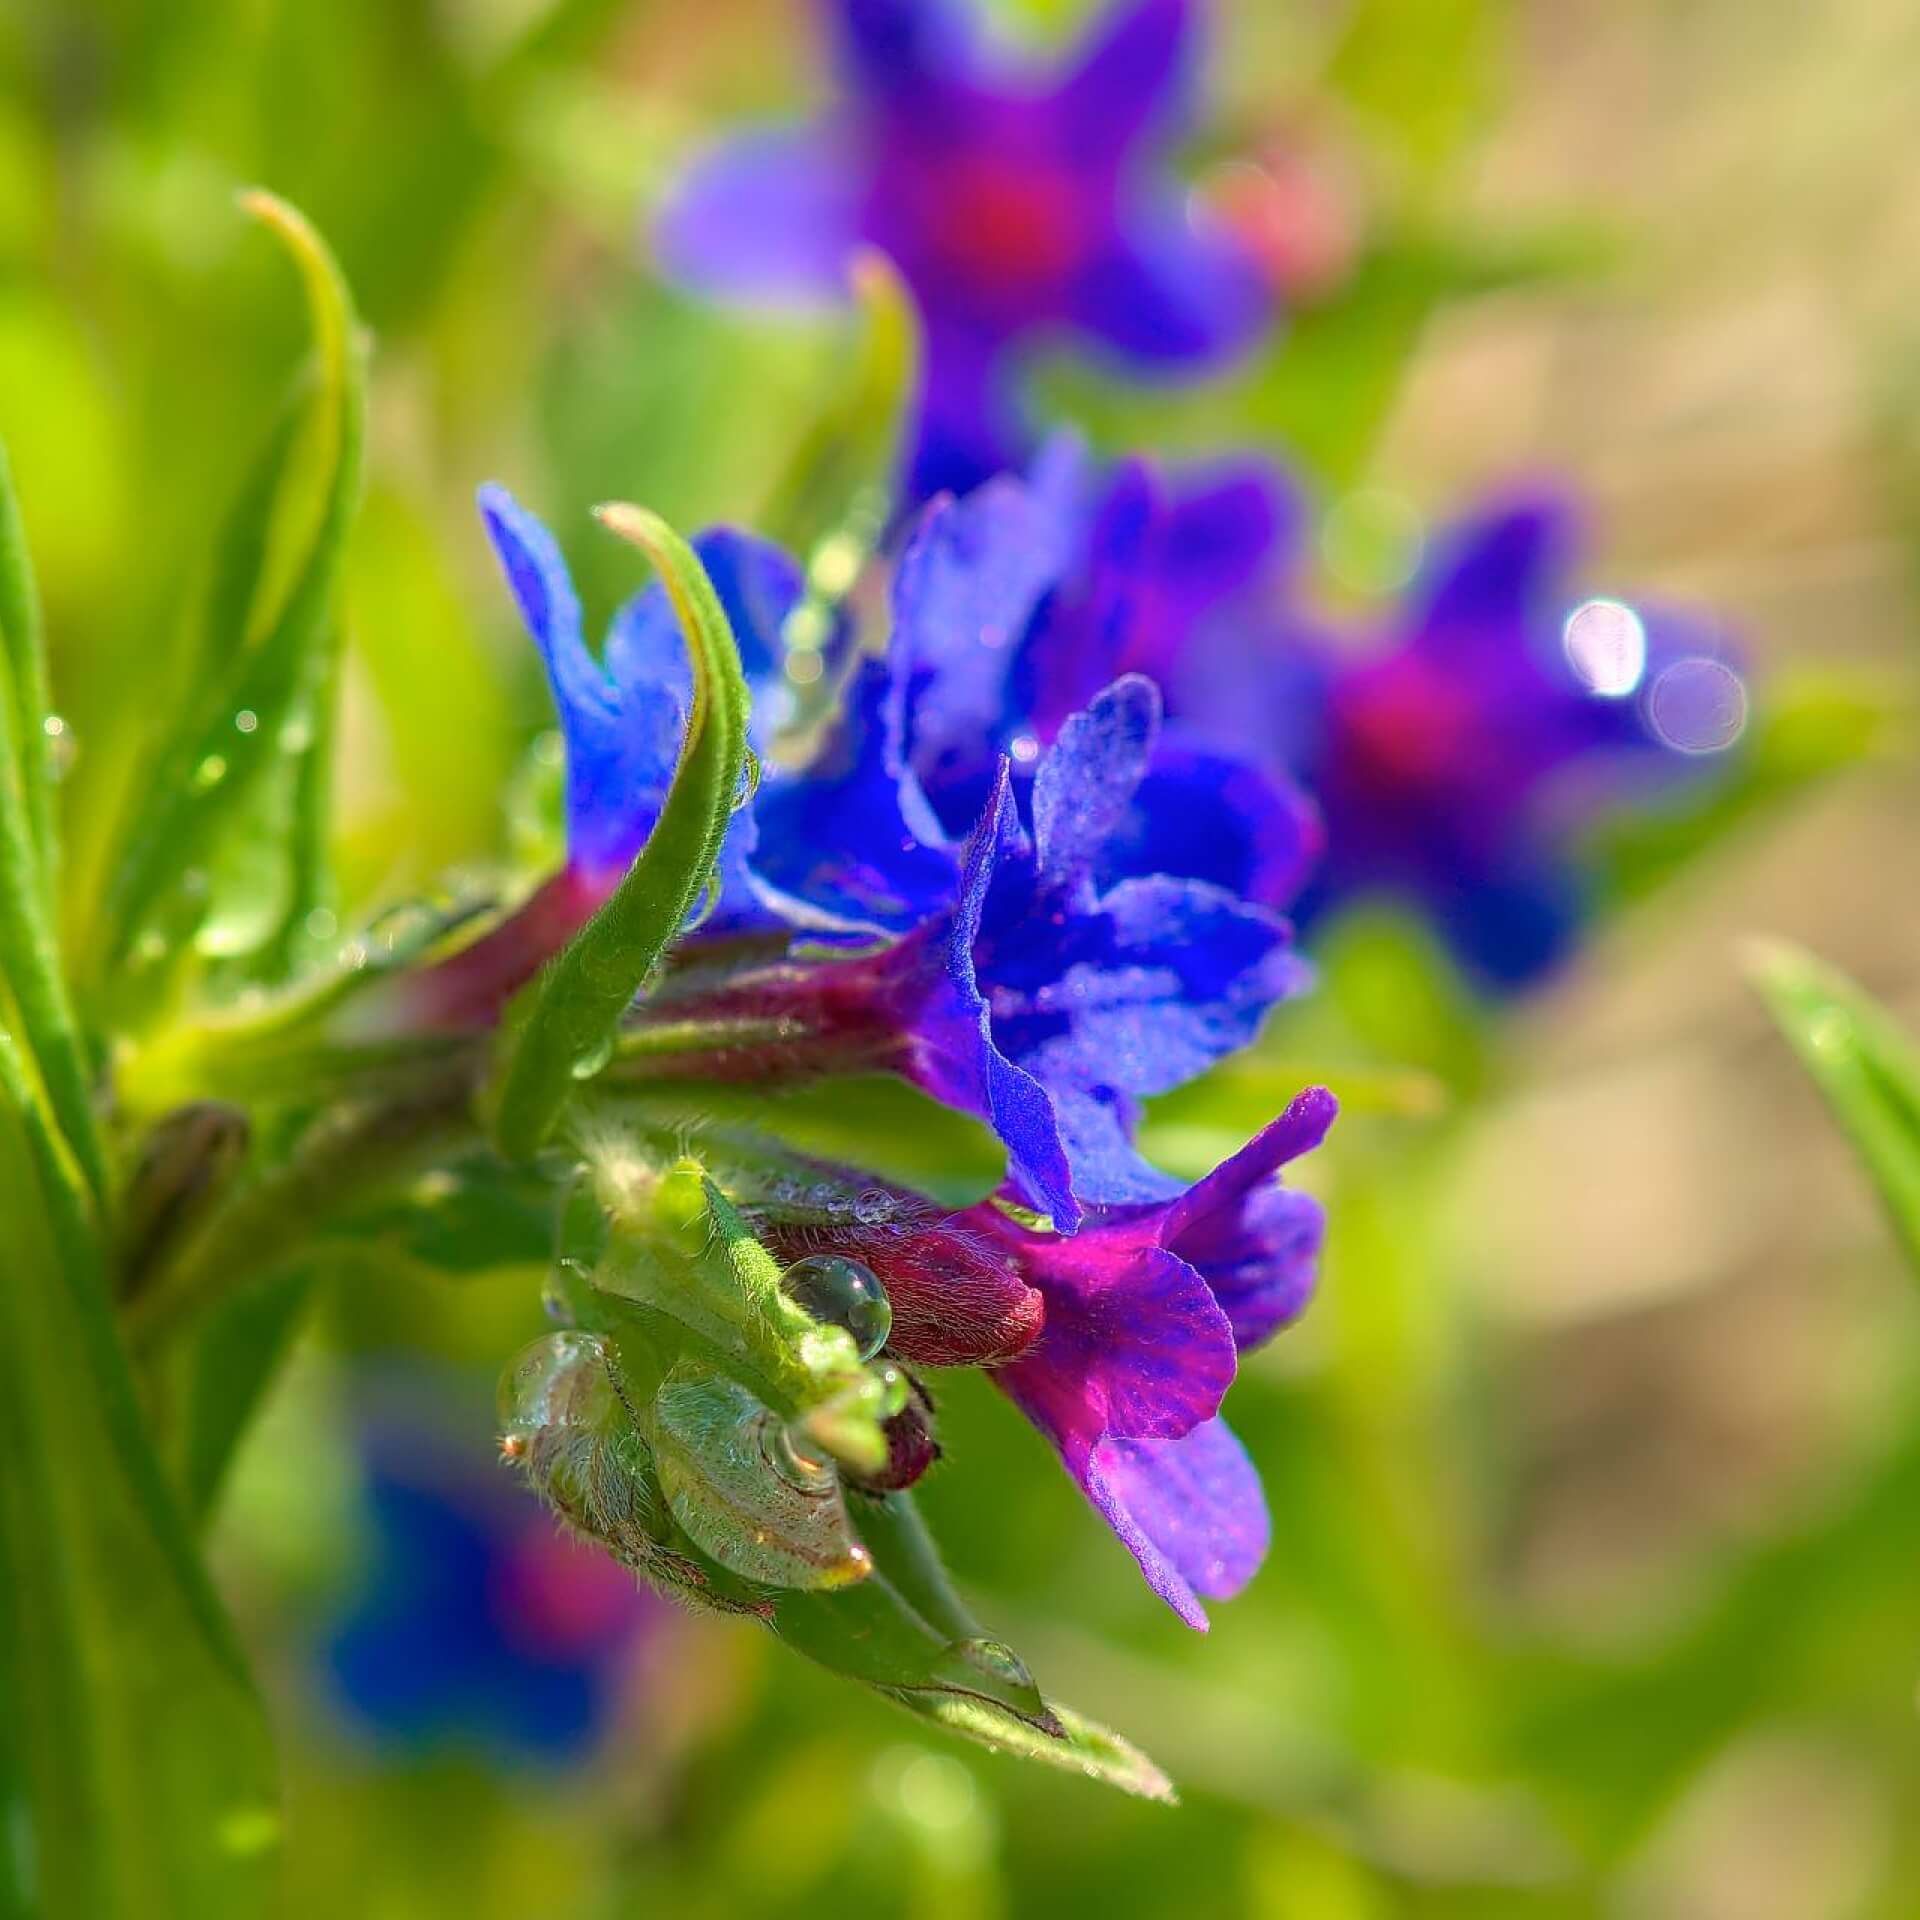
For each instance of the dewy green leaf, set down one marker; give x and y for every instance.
(563, 1026)
(24, 648)
(272, 673)
(31, 977)
(139, 1749)
(1865, 1067)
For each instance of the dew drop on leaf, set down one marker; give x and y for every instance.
(842, 1293)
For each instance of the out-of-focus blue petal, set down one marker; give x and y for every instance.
(1491, 583)
(1172, 292)
(1133, 73)
(771, 218)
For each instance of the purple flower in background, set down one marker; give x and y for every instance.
(1021, 205)
(478, 1624)
(1457, 756)
(1146, 1308)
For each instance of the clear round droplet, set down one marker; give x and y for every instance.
(703, 908)
(246, 721)
(594, 1060)
(62, 746)
(1698, 705)
(842, 1293)
(749, 781)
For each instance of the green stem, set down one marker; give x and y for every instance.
(344, 1160)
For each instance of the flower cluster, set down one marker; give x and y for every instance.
(1022, 206)
(1040, 856)
(1007, 930)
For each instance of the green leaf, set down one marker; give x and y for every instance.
(1083, 1746)
(841, 476)
(30, 971)
(1865, 1067)
(140, 1748)
(230, 798)
(24, 647)
(561, 1029)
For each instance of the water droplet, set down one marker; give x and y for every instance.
(703, 908)
(594, 1060)
(62, 746)
(840, 1292)
(747, 1496)
(209, 773)
(749, 781)
(559, 1381)
(1606, 643)
(1025, 748)
(321, 924)
(246, 721)
(805, 666)
(895, 1391)
(402, 927)
(1698, 705)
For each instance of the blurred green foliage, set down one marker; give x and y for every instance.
(1381, 1727)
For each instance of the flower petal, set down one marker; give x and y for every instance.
(1085, 785)
(772, 217)
(1176, 293)
(1133, 74)
(1190, 1511)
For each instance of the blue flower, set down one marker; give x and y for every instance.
(1022, 982)
(621, 719)
(1021, 206)
(477, 1623)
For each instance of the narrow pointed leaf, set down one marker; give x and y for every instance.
(24, 647)
(1084, 1746)
(31, 977)
(563, 1025)
(145, 1775)
(841, 477)
(1865, 1067)
(270, 658)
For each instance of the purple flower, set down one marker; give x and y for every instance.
(1146, 1308)
(1026, 987)
(1457, 756)
(1021, 206)
(477, 1623)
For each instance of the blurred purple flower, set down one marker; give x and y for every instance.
(1021, 206)
(477, 1624)
(1457, 756)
